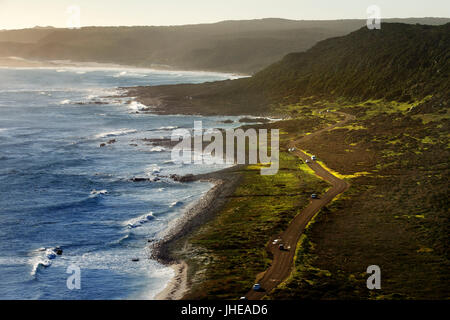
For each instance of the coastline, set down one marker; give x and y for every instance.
(19, 62)
(164, 251)
(177, 286)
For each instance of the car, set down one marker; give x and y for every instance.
(313, 158)
(307, 161)
(243, 298)
(281, 247)
(256, 287)
(314, 196)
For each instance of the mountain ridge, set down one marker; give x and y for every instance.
(401, 63)
(243, 46)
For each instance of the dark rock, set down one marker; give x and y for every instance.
(137, 179)
(253, 120)
(103, 145)
(112, 141)
(186, 178)
(91, 102)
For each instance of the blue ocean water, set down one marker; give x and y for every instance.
(51, 161)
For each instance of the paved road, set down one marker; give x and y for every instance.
(282, 263)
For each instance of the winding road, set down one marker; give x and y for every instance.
(283, 260)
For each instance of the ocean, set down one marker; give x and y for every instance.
(60, 189)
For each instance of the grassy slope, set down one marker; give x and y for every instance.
(400, 64)
(395, 154)
(395, 217)
(226, 254)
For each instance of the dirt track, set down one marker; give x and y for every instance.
(282, 263)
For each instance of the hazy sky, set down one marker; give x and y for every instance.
(16, 14)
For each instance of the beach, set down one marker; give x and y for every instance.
(170, 247)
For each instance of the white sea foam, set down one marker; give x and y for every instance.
(157, 149)
(120, 74)
(99, 192)
(42, 258)
(168, 128)
(136, 106)
(139, 221)
(50, 254)
(153, 169)
(38, 263)
(119, 132)
(65, 101)
(176, 204)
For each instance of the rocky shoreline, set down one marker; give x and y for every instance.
(225, 182)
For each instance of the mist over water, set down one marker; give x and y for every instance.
(59, 188)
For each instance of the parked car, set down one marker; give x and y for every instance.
(276, 241)
(313, 158)
(307, 161)
(256, 287)
(314, 196)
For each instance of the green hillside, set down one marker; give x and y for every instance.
(402, 63)
(399, 62)
(394, 154)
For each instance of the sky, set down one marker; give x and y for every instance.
(17, 14)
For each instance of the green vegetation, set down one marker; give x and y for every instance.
(395, 215)
(395, 155)
(399, 68)
(230, 250)
(226, 254)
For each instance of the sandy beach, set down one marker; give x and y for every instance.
(177, 287)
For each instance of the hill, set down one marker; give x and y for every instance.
(233, 46)
(393, 152)
(400, 62)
